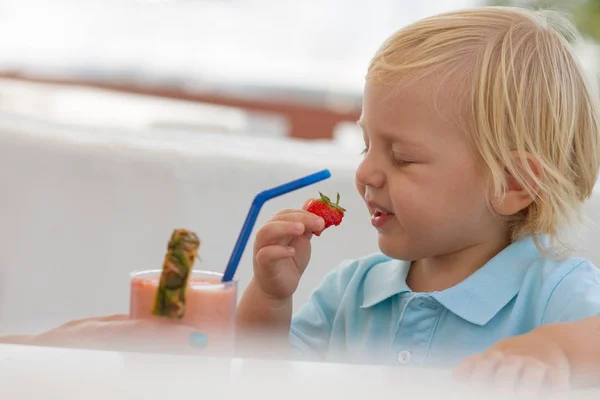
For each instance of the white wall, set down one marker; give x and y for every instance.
(82, 208)
(308, 44)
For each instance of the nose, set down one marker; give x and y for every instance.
(369, 173)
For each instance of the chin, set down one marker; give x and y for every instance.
(395, 249)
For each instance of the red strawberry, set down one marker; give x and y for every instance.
(326, 209)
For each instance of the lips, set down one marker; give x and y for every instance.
(380, 216)
(378, 210)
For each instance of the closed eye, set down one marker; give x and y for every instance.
(400, 161)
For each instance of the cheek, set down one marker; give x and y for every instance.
(439, 196)
(463, 196)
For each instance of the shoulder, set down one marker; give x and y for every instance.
(555, 288)
(564, 274)
(544, 272)
(570, 288)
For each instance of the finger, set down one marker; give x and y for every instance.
(486, 368)
(159, 334)
(163, 327)
(75, 322)
(311, 221)
(558, 379)
(308, 235)
(465, 368)
(16, 339)
(532, 379)
(115, 317)
(508, 373)
(278, 232)
(269, 255)
(289, 211)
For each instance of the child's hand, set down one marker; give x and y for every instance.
(282, 251)
(527, 363)
(116, 332)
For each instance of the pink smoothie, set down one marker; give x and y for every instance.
(210, 305)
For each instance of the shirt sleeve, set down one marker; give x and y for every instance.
(576, 296)
(311, 327)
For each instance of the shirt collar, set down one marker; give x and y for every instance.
(482, 295)
(384, 281)
(477, 299)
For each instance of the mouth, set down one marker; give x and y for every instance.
(380, 212)
(381, 218)
(379, 215)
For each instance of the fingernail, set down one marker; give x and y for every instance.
(320, 222)
(198, 339)
(291, 251)
(299, 227)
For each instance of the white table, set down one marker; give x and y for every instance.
(28, 372)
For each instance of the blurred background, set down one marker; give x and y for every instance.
(293, 67)
(123, 119)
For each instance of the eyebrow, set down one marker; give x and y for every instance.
(390, 137)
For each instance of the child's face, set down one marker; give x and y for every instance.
(420, 167)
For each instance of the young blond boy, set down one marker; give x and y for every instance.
(481, 144)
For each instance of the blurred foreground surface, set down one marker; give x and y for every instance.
(46, 373)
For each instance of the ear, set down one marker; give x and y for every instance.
(516, 196)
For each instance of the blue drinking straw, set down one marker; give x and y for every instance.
(257, 204)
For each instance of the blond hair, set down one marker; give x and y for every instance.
(524, 92)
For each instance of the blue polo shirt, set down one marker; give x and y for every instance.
(364, 312)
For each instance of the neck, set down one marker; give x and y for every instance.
(443, 272)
